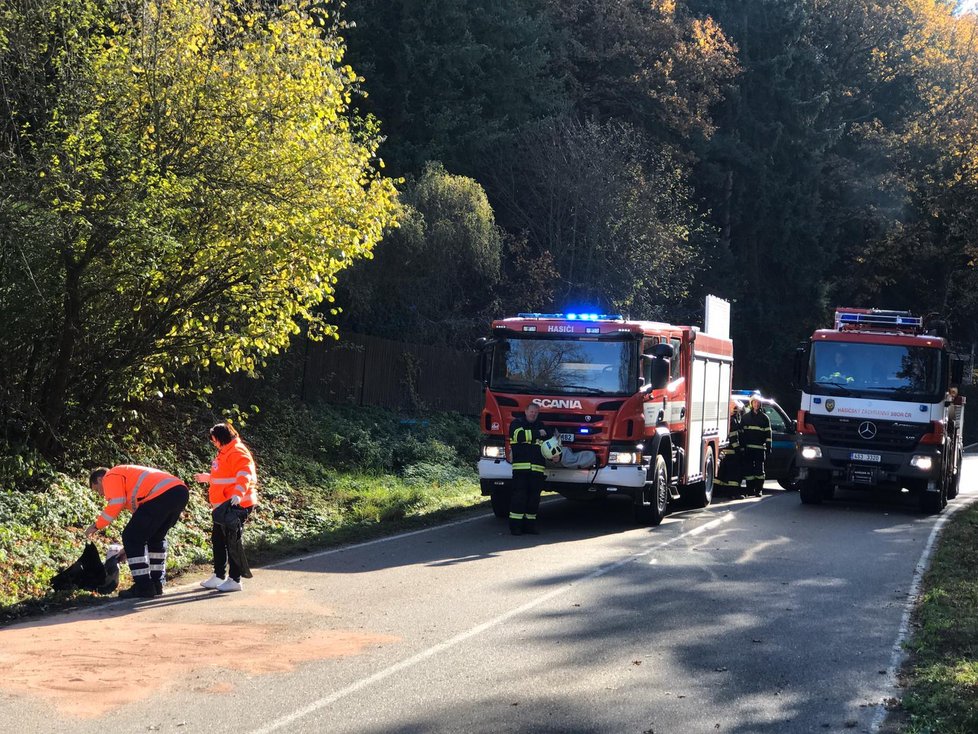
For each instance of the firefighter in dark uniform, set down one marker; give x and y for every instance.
(730, 473)
(525, 437)
(755, 437)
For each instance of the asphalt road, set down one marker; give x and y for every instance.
(751, 616)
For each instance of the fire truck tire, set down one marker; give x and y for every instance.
(651, 503)
(701, 493)
(500, 502)
(811, 492)
(790, 480)
(932, 503)
(955, 485)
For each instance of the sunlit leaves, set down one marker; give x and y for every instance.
(206, 181)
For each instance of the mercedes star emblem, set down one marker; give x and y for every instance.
(867, 430)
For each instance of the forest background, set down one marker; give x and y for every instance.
(188, 187)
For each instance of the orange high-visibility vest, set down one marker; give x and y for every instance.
(233, 473)
(129, 485)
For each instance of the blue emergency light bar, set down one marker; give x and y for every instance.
(573, 316)
(877, 319)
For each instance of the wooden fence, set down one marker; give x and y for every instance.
(367, 370)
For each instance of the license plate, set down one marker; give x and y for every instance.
(855, 456)
(567, 438)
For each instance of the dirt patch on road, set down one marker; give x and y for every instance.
(88, 665)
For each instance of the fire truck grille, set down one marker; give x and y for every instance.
(879, 435)
(570, 418)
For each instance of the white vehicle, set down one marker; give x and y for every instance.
(876, 409)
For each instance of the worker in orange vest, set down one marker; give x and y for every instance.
(156, 500)
(232, 478)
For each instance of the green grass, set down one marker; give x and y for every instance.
(942, 673)
(327, 475)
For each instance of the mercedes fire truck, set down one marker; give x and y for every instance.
(649, 399)
(876, 411)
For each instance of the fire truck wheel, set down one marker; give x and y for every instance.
(932, 503)
(500, 502)
(790, 481)
(650, 506)
(701, 493)
(955, 485)
(811, 492)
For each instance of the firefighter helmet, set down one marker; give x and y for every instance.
(551, 447)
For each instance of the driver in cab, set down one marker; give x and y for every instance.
(841, 372)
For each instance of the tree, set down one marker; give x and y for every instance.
(613, 210)
(646, 62)
(433, 279)
(453, 79)
(926, 261)
(181, 182)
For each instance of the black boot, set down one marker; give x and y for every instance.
(157, 587)
(530, 527)
(139, 590)
(516, 527)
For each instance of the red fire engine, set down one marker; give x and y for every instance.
(649, 399)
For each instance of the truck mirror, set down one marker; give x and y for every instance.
(660, 373)
(663, 351)
(479, 367)
(799, 375)
(957, 371)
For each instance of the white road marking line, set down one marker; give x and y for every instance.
(898, 654)
(311, 708)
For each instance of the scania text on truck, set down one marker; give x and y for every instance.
(649, 399)
(875, 409)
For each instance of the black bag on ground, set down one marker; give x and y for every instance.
(231, 518)
(89, 573)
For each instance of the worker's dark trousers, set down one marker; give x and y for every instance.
(729, 474)
(222, 559)
(754, 471)
(525, 499)
(144, 537)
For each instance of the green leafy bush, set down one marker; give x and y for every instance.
(326, 474)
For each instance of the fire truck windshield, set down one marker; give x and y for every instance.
(877, 370)
(564, 366)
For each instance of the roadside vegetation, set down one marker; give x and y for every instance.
(326, 475)
(941, 676)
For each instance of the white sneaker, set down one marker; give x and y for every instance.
(230, 585)
(212, 583)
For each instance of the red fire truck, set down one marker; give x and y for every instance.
(649, 399)
(876, 409)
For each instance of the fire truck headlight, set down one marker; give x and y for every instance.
(494, 452)
(625, 457)
(924, 463)
(811, 452)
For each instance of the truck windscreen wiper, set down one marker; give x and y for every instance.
(836, 385)
(589, 388)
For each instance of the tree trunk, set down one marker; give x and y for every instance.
(54, 404)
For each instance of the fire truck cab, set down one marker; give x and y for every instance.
(876, 409)
(650, 400)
